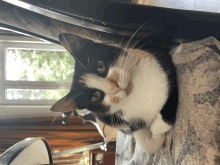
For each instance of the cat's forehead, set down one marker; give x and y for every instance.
(87, 57)
(99, 51)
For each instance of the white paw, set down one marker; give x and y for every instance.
(159, 126)
(150, 143)
(121, 94)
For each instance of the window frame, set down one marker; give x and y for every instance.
(5, 84)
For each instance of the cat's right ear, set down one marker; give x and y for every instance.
(72, 43)
(65, 104)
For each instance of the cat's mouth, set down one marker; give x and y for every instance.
(117, 82)
(129, 88)
(113, 88)
(116, 93)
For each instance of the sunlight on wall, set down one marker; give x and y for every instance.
(199, 5)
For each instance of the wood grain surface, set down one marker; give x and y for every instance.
(73, 134)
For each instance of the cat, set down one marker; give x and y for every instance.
(132, 88)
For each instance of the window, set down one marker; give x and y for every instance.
(34, 73)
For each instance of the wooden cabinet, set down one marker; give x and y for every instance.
(108, 156)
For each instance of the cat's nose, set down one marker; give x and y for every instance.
(112, 87)
(113, 83)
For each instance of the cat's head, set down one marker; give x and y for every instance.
(101, 79)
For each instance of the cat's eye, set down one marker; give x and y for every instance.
(95, 96)
(101, 67)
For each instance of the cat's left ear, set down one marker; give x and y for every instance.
(65, 104)
(72, 43)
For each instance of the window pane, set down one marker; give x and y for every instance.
(39, 65)
(35, 94)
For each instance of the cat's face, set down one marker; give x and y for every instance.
(102, 76)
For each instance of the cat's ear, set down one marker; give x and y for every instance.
(72, 43)
(65, 104)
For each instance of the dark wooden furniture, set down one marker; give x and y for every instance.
(60, 137)
(106, 21)
(108, 156)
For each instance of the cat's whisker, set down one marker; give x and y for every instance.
(81, 100)
(142, 46)
(124, 66)
(93, 62)
(54, 118)
(133, 45)
(120, 70)
(121, 41)
(128, 56)
(128, 61)
(142, 38)
(110, 64)
(137, 40)
(127, 65)
(126, 45)
(131, 68)
(70, 99)
(65, 105)
(135, 50)
(88, 60)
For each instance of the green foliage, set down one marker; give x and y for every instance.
(53, 94)
(48, 65)
(57, 66)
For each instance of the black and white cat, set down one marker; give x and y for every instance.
(133, 89)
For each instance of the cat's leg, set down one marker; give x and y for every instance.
(113, 120)
(151, 143)
(159, 126)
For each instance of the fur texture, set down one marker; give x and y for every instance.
(131, 89)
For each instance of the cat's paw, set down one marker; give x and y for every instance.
(117, 98)
(149, 142)
(121, 94)
(159, 126)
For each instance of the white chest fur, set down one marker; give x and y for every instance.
(150, 86)
(149, 94)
